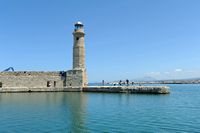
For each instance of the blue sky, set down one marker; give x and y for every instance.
(124, 39)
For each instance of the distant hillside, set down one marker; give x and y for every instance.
(155, 81)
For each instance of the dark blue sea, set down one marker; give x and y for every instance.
(74, 112)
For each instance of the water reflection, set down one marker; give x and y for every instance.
(101, 112)
(76, 104)
(51, 112)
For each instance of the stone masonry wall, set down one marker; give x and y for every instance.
(32, 79)
(74, 78)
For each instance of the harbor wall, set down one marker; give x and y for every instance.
(32, 79)
(72, 80)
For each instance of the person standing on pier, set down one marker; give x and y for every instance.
(127, 82)
(103, 82)
(120, 82)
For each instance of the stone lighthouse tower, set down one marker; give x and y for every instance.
(78, 47)
(78, 76)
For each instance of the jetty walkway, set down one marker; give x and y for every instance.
(128, 89)
(97, 89)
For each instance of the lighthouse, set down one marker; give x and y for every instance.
(79, 46)
(78, 72)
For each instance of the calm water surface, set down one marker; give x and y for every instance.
(101, 112)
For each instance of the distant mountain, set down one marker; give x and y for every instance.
(152, 79)
(192, 79)
(186, 79)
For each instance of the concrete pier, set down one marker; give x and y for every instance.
(39, 89)
(98, 89)
(129, 89)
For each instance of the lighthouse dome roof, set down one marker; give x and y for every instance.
(78, 23)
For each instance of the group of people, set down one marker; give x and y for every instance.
(126, 82)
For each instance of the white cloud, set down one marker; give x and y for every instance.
(175, 74)
(178, 70)
(166, 72)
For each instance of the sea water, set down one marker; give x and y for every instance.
(75, 112)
